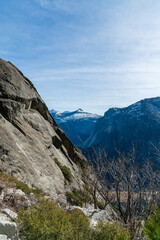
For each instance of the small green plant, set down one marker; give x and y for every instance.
(79, 150)
(57, 162)
(74, 199)
(78, 197)
(65, 170)
(66, 173)
(152, 226)
(101, 205)
(80, 225)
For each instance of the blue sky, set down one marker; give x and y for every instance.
(89, 54)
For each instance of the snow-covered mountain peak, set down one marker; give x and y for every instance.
(76, 124)
(79, 114)
(80, 110)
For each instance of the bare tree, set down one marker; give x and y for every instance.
(130, 189)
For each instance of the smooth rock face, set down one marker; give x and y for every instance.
(135, 126)
(30, 139)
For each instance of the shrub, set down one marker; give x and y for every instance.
(47, 221)
(79, 150)
(80, 225)
(101, 205)
(65, 170)
(152, 226)
(78, 197)
(66, 173)
(57, 162)
(110, 231)
(74, 199)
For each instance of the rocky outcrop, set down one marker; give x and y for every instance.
(30, 139)
(96, 215)
(12, 201)
(8, 229)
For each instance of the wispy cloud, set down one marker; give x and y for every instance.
(59, 5)
(44, 3)
(83, 53)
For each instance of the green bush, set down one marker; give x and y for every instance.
(152, 226)
(80, 225)
(65, 170)
(79, 150)
(46, 221)
(58, 162)
(78, 197)
(110, 231)
(74, 199)
(101, 205)
(66, 173)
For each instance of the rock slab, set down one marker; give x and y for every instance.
(30, 139)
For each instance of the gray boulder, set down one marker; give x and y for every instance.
(16, 197)
(9, 213)
(3, 237)
(95, 215)
(7, 227)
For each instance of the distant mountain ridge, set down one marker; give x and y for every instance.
(137, 125)
(76, 124)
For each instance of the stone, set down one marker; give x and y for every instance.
(1, 197)
(16, 198)
(10, 191)
(95, 215)
(7, 227)
(19, 192)
(33, 200)
(3, 237)
(100, 215)
(9, 212)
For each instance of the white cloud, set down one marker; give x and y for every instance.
(44, 3)
(80, 52)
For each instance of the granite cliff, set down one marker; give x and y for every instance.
(30, 139)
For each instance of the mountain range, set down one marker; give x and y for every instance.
(136, 126)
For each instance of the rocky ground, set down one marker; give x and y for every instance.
(12, 200)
